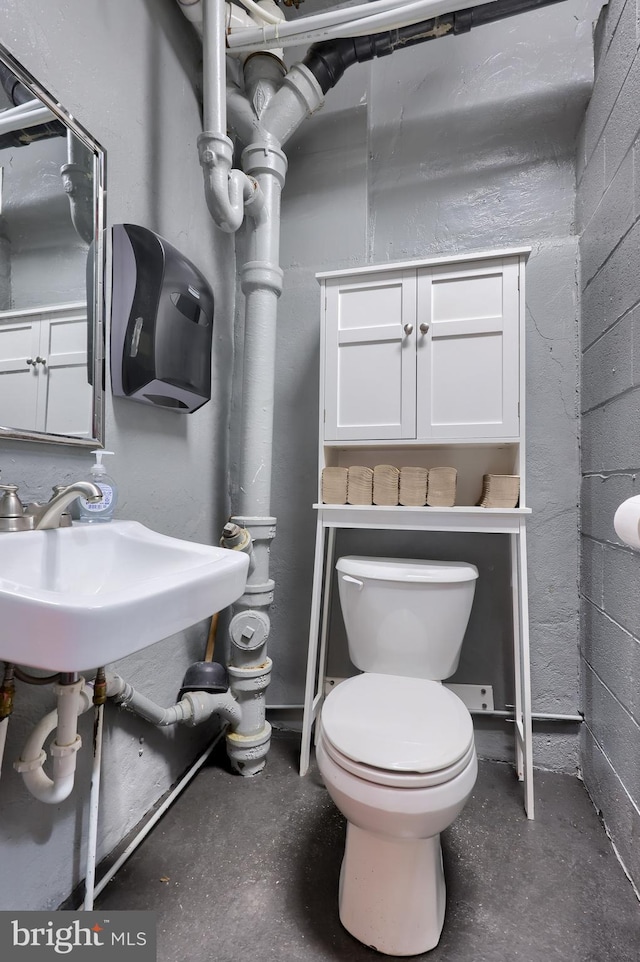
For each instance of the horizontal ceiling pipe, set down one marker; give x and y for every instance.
(329, 60)
(372, 17)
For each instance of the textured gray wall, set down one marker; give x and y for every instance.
(608, 211)
(127, 71)
(462, 144)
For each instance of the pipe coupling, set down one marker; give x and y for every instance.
(100, 688)
(264, 158)
(32, 765)
(256, 596)
(202, 705)
(57, 751)
(214, 150)
(260, 276)
(7, 693)
(77, 181)
(261, 528)
(250, 681)
(61, 751)
(305, 86)
(248, 753)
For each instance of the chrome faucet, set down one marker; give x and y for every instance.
(48, 515)
(15, 516)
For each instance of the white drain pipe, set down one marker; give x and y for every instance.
(73, 700)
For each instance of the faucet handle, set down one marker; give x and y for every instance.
(10, 504)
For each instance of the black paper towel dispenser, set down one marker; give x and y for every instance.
(161, 323)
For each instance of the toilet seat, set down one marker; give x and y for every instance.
(397, 731)
(380, 776)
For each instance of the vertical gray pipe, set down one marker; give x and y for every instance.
(261, 281)
(288, 99)
(214, 66)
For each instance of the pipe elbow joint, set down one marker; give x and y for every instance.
(202, 705)
(228, 191)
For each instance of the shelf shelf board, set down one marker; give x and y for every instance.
(467, 518)
(422, 443)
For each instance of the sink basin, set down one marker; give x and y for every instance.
(80, 597)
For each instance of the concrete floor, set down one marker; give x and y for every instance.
(252, 873)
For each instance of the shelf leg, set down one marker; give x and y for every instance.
(314, 626)
(523, 671)
(515, 594)
(324, 623)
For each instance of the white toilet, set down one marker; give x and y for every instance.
(395, 748)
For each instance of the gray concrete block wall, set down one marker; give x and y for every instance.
(608, 212)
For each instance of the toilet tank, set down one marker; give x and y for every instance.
(405, 617)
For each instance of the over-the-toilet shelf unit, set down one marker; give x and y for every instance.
(422, 364)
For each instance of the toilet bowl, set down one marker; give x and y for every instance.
(396, 750)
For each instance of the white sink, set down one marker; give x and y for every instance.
(77, 598)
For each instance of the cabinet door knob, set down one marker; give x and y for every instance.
(408, 329)
(30, 360)
(40, 360)
(424, 328)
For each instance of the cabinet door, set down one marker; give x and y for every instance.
(19, 343)
(64, 401)
(370, 357)
(468, 359)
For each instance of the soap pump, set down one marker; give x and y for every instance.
(100, 510)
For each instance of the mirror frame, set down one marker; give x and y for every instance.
(99, 192)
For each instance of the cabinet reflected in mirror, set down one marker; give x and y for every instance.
(51, 267)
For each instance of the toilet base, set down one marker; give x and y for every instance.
(392, 891)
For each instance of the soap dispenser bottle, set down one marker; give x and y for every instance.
(100, 510)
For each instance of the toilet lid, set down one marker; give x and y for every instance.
(395, 723)
(406, 569)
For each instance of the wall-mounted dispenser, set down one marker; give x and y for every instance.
(161, 323)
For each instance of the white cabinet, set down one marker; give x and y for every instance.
(422, 363)
(423, 352)
(43, 370)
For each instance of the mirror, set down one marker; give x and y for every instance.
(51, 268)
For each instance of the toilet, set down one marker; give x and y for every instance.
(395, 748)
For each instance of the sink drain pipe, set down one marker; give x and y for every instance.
(74, 698)
(193, 708)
